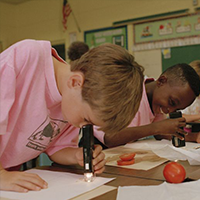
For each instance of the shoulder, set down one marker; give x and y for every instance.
(32, 45)
(26, 48)
(26, 53)
(29, 51)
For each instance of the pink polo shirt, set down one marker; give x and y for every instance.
(31, 120)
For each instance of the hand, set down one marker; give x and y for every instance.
(20, 181)
(193, 137)
(171, 127)
(198, 138)
(98, 159)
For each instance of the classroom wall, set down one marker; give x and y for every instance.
(42, 19)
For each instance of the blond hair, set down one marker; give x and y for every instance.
(196, 66)
(112, 86)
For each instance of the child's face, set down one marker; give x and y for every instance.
(168, 98)
(76, 111)
(79, 113)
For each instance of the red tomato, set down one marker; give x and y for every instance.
(127, 162)
(174, 172)
(127, 156)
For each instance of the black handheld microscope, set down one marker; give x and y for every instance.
(88, 147)
(175, 140)
(192, 127)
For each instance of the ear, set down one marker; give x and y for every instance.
(161, 80)
(76, 80)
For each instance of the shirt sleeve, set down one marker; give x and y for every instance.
(7, 91)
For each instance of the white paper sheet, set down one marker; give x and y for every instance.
(144, 159)
(165, 149)
(61, 186)
(164, 191)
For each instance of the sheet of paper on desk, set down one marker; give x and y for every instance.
(164, 191)
(165, 149)
(144, 160)
(61, 186)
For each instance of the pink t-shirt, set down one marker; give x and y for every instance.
(144, 115)
(31, 120)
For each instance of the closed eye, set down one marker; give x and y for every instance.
(88, 121)
(172, 102)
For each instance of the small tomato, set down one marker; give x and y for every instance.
(127, 162)
(127, 156)
(174, 172)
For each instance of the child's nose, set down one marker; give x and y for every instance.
(172, 109)
(83, 124)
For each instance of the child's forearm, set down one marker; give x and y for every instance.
(129, 134)
(191, 118)
(66, 156)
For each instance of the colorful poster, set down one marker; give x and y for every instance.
(114, 35)
(174, 28)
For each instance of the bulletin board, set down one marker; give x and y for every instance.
(167, 29)
(114, 35)
(183, 54)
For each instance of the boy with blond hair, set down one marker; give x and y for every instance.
(42, 96)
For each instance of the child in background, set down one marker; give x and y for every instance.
(42, 97)
(76, 50)
(167, 94)
(192, 113)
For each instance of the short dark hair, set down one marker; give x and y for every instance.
(183, 73)
(76, 50)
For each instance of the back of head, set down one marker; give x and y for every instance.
(112, 86)
(181, 74)
(196, 66)
(76, 50)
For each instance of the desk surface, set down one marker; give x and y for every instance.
(120, 179)
(193, 171)
(128, 177)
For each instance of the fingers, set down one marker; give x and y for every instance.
(100, 167)
(100, 170)
(22, 182)
(181, 119)
(34, 182)
(79, 156)
(97, 150)
(179, 124)
(99, 160)
(18, 188)
(179, 136)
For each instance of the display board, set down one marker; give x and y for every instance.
(183, 54)
(167, 29)
(114, 35)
